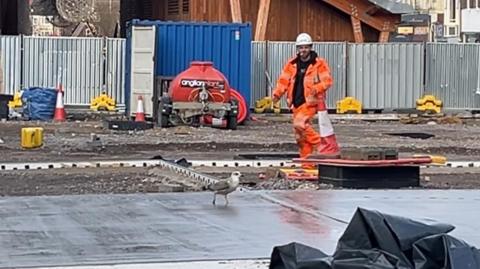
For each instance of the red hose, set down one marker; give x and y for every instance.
(242, 106)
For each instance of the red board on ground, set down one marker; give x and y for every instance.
(371, 163)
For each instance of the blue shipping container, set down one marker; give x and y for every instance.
(227, 45)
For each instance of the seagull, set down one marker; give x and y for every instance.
(224, 187)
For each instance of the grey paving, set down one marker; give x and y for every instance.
(112, 229)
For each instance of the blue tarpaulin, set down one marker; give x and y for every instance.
(39, 103)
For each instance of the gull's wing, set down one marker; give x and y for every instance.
(221, 185)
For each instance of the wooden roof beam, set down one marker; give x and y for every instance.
(372, 10)
(384, 37)
(357, 30)
(236, 10)
(262, 20)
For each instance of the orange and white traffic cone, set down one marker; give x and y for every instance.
(140, 115)
(328, 143)
(60, 114)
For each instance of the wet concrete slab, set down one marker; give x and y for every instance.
(456, 207)
(228, 264)
(116, 229)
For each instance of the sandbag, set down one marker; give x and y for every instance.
(298, 256)
(39, 103)
(444, 251)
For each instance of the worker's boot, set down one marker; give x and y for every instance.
(305, 151)
(308, 166)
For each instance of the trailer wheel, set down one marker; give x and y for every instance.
(232, 116)
(232, 122)
(164, 111)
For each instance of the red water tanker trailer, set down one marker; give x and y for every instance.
(198, 96)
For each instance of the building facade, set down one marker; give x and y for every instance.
(325, 20)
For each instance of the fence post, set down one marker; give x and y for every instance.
(267, 89)
(21, 62)
(104, 80)
(1, 73)
(345, 44)
(424, 68)
(477, 91)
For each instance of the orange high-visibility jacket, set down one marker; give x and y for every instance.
(316, 81)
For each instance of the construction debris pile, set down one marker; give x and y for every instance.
(77, 15)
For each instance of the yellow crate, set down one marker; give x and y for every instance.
(32, 137)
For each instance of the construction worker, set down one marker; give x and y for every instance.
(305, 79)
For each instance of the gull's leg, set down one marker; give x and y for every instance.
(214, 198)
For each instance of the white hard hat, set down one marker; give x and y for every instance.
(303, 39)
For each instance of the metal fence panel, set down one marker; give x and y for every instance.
(334, 53)
(10, 49)
(115, 70)
(386, 75)
(259, 84)
(278, 54)
(336, 56)
(453, 74)
(76, 63)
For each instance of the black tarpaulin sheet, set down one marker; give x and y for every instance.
(376, 240)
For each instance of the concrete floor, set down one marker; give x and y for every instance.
(237, 264)
(119, 229)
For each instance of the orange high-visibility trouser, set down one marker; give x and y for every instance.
(308, 139)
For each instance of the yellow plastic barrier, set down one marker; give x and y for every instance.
(17, 101)
(429, 103)
(264, 105)
(349, 104)
(103, 102)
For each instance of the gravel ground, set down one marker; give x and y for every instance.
(154, 180)
(70, 141)
(93, 181)
(73, 140)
